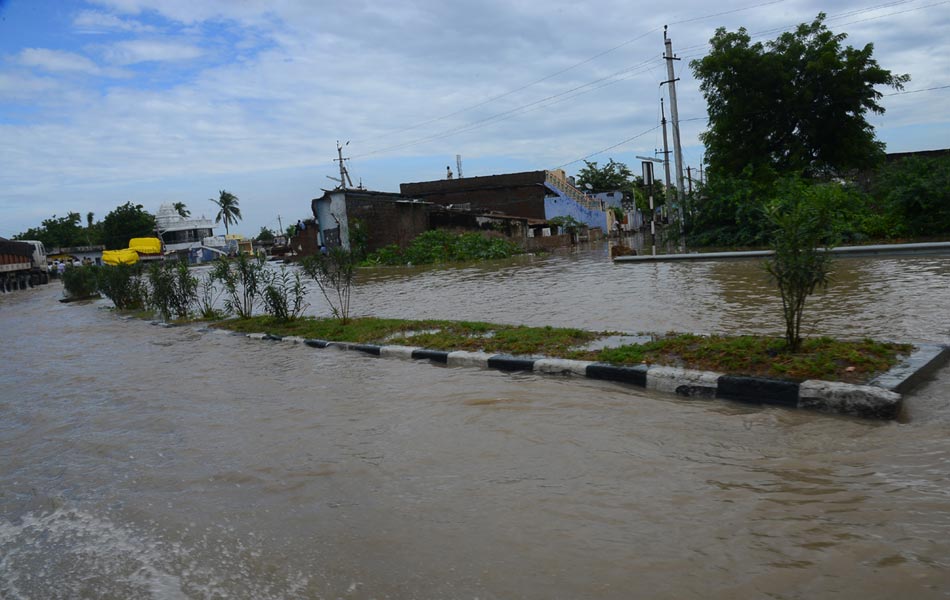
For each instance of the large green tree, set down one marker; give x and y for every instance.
(797, 104)
(611, 177)
(228, 209)
(57, 232)
(124, 223)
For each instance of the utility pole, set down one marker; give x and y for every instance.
(674, 112)
(344, 174)
(666, 167)
(689, 178)
(279, 224)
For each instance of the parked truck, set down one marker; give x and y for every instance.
(22, 264)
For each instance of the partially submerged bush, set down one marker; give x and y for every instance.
(241, 281)
(334, 273)
(284, 295)
(173, 289)
(443, 246)
(123, 285)
(80, 282)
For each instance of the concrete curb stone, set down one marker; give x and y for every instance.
(881, 399)
(755, 390)
(866, 401)
(683, 382)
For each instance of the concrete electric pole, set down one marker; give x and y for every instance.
(674, 112)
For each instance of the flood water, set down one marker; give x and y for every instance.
(143, 462)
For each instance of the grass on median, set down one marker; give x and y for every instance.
(819, 358)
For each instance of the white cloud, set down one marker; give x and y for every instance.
(90, 21)
(19, 87)
(139, 51)
(255, 86)
(57, 61)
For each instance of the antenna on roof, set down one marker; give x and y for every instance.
(458, 165)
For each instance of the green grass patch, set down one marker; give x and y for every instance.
(819, 358)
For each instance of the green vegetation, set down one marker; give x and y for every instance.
(229, 210)
(58, 232)
(796, 104)
(124, 223)
(123, 285)
(792, 113)
(817, 358)
(182, 210)
(611, 177)
(173, 289)
(241, 280)
(334, 273)
(439, 246)
(115, 231)
(80, 282)
(283, 294)
(904, 199)
(910, 197)
(266, 235)
(801, 221)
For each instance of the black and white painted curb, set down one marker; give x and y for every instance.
(881, 399)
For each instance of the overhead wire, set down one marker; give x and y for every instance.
(569, 68)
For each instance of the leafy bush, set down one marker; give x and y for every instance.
(208, 295)
(123, 285)
(80, 282)
(438, 245)
(283, 294)
(334, 273)
(241, 280)
(915, 194)
(801, 221)
(174, 290)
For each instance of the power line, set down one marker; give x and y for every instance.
(626, 73)
(570, 68)
(941, 87)
(852, 13)
(618, 144)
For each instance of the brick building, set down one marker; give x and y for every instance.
(515, 194)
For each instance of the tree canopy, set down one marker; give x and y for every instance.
(124, 223)
(266, 235)
(182, 210)
(796, 104)
(58, 232)
(611, 177)
(228, 209)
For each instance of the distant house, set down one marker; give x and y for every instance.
(541, 195)
(391, 218)
(385, 218)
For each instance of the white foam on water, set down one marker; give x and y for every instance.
(70, 553)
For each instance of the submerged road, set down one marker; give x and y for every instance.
(168, 463)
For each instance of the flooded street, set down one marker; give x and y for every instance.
(143, 462)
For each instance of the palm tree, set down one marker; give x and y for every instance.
(89, 217)
(181, 210)
(228, 209)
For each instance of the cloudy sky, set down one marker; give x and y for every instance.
(154, 101)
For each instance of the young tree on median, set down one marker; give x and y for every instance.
(334, 272)
(803, 230)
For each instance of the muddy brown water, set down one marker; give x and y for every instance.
(142, 462)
